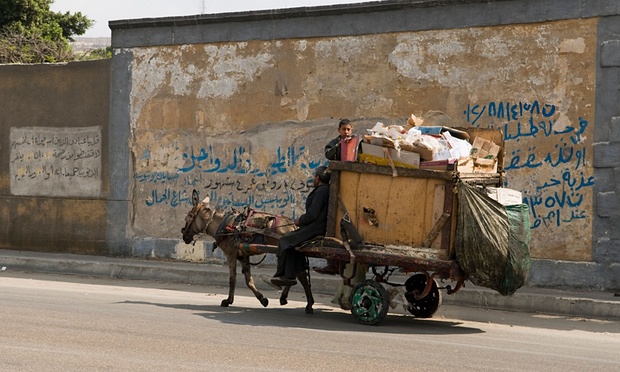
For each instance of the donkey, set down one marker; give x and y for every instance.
(205, 219)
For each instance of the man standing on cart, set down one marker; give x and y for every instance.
(333, 151)
(333, 148)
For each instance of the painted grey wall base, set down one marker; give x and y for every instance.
(606, 234)
(120, 176)
(574, 275)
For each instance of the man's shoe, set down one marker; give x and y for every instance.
(267, 280)
(328, 270)
(283, 282)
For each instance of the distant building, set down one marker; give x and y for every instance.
(85, 44)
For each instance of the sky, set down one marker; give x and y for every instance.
(102, 11)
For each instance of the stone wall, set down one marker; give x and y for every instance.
(53, 174)
(239, 106)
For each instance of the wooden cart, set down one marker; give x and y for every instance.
(407, 222)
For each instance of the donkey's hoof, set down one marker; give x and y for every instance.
(225, 303)
(309, 310)
(264, 301)
(283, 301)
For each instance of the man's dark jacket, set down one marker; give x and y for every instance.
(312, 223)
(332, 149)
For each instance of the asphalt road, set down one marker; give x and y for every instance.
(68, 323)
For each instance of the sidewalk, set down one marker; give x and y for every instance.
(598, 305)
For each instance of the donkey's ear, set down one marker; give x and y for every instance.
(194, 198)
(206, 200)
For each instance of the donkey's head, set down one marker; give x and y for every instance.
(197, 219)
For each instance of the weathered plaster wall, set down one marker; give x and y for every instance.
(195, 111)
(53, 132)
(240, 106)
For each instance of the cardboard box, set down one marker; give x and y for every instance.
(425, 154)
(484, 149)
(482, 158)
(472, 165)
(505, 196)
(442, 165)
(373, 154)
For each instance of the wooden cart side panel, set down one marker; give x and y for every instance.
(349, 185)
(448, 207)
(439, 207)
(332, 210)
(407, 208)
(455, 209)
(409, 205)
(435, 207)
(374, 191)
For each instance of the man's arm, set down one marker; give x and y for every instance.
(332, 149)
(319, 202)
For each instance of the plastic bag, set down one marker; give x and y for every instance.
(492, 241)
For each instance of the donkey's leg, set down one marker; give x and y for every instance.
(232, 280)
(284, 295)
(303, 278)
(249, 281)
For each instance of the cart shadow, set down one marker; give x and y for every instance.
(323, 318)
(530, 320)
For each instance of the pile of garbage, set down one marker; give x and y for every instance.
(438, 146)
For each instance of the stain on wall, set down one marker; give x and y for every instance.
(245, 122)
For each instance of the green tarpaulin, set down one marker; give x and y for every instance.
(492, 241)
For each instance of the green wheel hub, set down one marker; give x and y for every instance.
(369, 302)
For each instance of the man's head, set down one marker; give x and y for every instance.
(322, 175)
(345, 128)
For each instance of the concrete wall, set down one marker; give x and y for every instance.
(53, 174)
(239, 106)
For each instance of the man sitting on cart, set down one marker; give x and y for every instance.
(311, 224)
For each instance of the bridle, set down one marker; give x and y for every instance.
(190, 219)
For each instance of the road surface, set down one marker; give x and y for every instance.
(69, 323)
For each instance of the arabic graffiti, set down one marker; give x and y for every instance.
(67, 160)
(562, 154)
(545, 158)
(205, 161)
(233, 180)
(507, 111)
(563, 201)
(238, 192)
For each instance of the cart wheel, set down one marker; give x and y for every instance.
(426, 306)
(369, 302)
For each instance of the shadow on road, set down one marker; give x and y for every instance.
(324, 318)
(530, 320)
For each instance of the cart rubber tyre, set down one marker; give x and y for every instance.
(370, 302)
(426, 306)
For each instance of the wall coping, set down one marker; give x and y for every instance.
(349, 19)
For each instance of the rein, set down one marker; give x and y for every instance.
(230, 227)
(224, 229)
